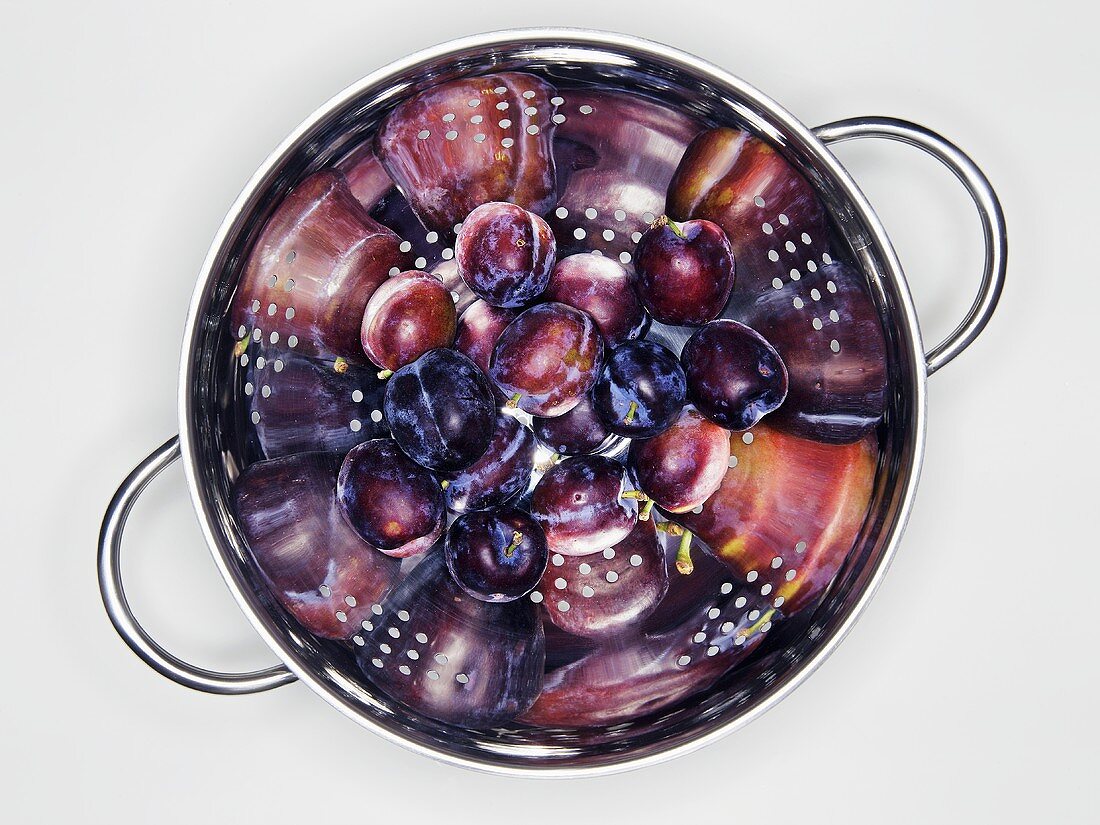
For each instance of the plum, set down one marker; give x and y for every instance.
(389, 500)
(581, 506)
(444, 654)
(683, 466)
(608, 593)
(640, 391)
(505, 254)
(440, 410)
(578, 432)
(685, 271)
(316, 263)
(547, 359)
(601, 287)
(324, 574)
(409, 314)
(496, 555)
(770, 212)
(734, 376)
(470, 141)
(502, 473)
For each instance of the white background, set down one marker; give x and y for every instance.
(968, 692)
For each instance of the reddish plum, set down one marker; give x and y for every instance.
(685, 271)
(547, 359)
(683, 466)
(407, 315)
(581, 506)
(478, 330)
(601, 287)
(505, 254)
(389, 500)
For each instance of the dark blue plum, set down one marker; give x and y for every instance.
(735, 377)
(496, 555)
(440, 410)
(641, 390)
(502, 472)
(389, 500)
(451, 657)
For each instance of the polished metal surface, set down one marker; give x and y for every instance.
(679, 80)
(122, 617)
(985, 199)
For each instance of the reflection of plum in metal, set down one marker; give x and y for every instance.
(827, 331)
(317, 567)
(581, 507)
(448, 656)
(683, 466)
(772, 215)
(295, 404)
(601, 287)
(788, 511)
(608, 593)
(502, 473)
(627, 680)
(440, 410)
(734, 376)
(467, 142)
(617, 153)
(389, 500)
(547, 359)
(310, 274)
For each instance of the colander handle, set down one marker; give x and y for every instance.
(114, 596)
(985, 199)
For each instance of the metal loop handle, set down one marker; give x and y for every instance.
(114, 596)
(985, 199)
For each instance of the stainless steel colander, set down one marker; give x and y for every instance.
(610, 123)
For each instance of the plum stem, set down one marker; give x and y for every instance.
(684, 564)
(633, 408)
(647, 508)
(444, 484)
(240, 347)
(670, 527)
(517, 540)
(665, 220)
(513, 402)
(384, 374)
(340, 365)
(635, 494)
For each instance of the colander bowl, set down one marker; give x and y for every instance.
(210, 420)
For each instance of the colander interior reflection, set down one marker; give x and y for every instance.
(616, 655)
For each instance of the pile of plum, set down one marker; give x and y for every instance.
(541, 457)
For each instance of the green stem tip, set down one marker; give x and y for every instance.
(340, 365)
(647, 508)
(517, 540)
(684, 564)
(633, 408)
(384, 374)
(513, 402)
